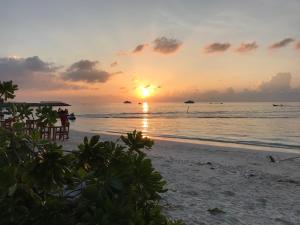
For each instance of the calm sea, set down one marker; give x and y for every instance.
(252, 124)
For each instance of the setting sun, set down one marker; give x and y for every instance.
(145, 91)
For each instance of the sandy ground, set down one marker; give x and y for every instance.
(244, 184)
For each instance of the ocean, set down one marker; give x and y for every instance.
(248, 124)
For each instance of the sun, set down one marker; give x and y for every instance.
(145, 91)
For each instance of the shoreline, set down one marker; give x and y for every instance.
(213, 143)
(243, 183)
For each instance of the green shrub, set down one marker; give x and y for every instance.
(103, 182)
(100, 183)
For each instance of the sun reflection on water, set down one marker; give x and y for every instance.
(145, 120)
(145, 107)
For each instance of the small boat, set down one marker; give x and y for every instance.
(139, 103)
(277, 105)
(189, 102)
(127, 102)
(72, 116)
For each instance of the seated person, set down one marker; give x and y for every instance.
(63, 117)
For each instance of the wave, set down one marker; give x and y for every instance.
(204, 115)
(253, 143)
(227, 141)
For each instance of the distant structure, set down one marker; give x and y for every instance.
(277, 105)
(189, 102)
(127, 102)
(35, 104)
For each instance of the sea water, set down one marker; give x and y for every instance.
(256, 124)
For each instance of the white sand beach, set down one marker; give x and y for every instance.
(244, 184)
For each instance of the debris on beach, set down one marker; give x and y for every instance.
(290, 181)
(271, 158)
(215, 211)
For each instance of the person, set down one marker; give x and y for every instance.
(63, 115)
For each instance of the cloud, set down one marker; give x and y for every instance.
(23, 66)
(86, 70)
(114, 64)
(216, 47)
(282, 43)
(122, 53)
(166, 45)
(31, 73)
(278, 88)
(247, 47)
(278, 83)
(139, 48)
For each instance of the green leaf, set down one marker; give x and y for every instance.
(12, 189)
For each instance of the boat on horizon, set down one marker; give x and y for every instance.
(189, 102)
(277, 105)
(127, 102)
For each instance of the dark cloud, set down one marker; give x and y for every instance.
(247, 47)
(30, 73)
(114, 64)
(139, 48)
(278, 88)
(86, 70)
(166, 45)
(282, 43)
(23, 66)
(216, 47)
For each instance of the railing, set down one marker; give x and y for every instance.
(46, 132)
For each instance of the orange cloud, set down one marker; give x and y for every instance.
(247, 47)
(114, 64)
(139, 48)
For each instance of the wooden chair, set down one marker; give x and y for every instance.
(2, 123)
(8, 123)
(30, 125)
(61, 132)
(45, 132)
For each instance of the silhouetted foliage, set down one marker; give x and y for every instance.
(46, 115)
(7, 90)
(103, 182)
(100, 183)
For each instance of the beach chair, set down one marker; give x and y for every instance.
(45, 132)
(8, 123)
(2, 123)
(30, 125)
(61, 132)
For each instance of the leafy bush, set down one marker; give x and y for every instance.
(103, 182)
(46, 115)
(7, 90)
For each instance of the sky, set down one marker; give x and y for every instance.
(171, 50)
